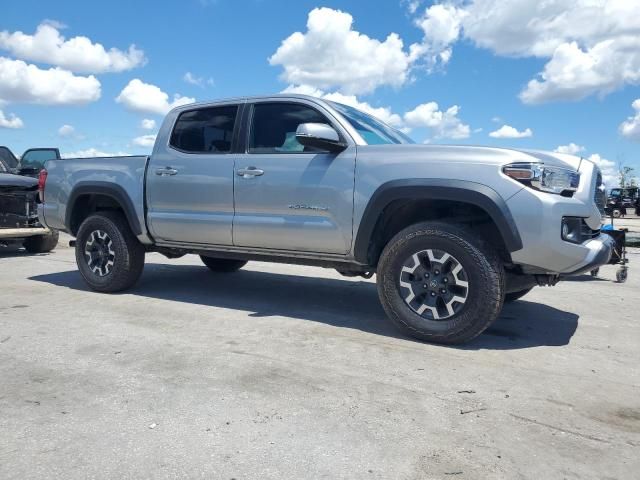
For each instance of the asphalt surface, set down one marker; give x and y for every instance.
(286, 372)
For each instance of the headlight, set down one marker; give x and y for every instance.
(541, 177)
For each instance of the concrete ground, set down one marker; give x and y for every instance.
(281, 372)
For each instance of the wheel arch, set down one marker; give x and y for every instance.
(388, 197)
(89, 197)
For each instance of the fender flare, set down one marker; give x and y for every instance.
(436, 189)
(107, 189)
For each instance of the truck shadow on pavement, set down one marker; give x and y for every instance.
(336, 302)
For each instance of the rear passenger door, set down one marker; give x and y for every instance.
(190, 179)
(287, 196)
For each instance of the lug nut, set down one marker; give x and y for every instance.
(445, 280)
(433, 294)
(424, 286)
(443, 291)
(437, 272)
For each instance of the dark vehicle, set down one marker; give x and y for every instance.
(18, 207)
(622, 198)
(31, 161)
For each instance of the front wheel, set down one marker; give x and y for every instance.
(109, 256)
(438, 282)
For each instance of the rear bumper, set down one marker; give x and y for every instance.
(11, 233)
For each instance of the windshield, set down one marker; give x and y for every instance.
(372, 130)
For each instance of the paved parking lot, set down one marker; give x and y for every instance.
(294, 372)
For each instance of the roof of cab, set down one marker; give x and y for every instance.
(275, 96)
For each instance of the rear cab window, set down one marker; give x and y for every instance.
(205, 130)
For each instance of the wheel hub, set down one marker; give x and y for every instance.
(434, 284)
(99, 253)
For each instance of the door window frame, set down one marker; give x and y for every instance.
(248, 126)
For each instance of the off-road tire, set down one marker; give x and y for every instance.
(41, 243)
(482, 267)
(222, 265)
(129, 253)
(513, 296)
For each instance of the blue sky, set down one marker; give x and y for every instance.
(452, 53)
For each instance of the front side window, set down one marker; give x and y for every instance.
(274, 126)
(206, 130)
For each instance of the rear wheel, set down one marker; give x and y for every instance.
(109, 256)
(41, 243)
(438, 282)
(222, 265)
(513, 296)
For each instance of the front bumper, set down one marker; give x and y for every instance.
(539, 215)
(600, 250)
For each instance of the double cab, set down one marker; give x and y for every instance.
(452, 232)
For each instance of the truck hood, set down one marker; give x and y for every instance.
(472, 154)
(17, 182)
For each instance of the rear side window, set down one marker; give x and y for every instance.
(274, 127)
(207, 130)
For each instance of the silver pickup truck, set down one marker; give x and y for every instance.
(452, 232)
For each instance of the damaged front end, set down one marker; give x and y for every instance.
(18, 207)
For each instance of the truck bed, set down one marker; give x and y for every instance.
(73, 174)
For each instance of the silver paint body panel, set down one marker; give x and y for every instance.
(311, 205)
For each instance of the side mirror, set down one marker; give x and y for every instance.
(319, 135)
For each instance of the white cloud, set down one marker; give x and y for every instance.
(608, 168)
(331, 55)
(441, 25)
(443, 124)
(413, 5)
(145, 97)
(148, 124)
(574, 73)
(571, 149)
(198, 81)
(66, 131)
(78, 54)
(25, 83)
(10, 121)
(593, 46)
(507, 131)
(145, 141)
(631, 127)
(93, 152)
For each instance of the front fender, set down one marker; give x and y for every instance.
(436, 189)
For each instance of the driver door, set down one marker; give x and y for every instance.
(287, 196)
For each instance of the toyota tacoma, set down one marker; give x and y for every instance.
(452, 232)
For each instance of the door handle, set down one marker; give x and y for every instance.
(249, 172)
(166, 171)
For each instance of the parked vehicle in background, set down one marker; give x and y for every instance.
(452, 232)
(19, 215)
(31, 161)
(619, 199)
